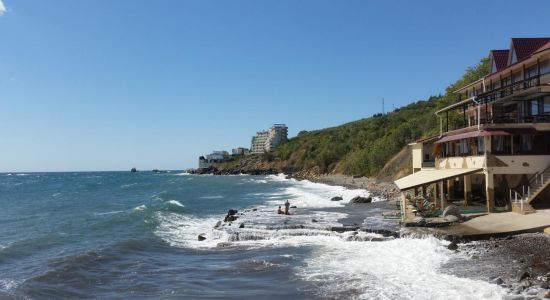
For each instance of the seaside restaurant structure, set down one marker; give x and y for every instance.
(493, 151)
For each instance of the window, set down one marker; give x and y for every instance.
(480, 145)
(544, 67)
(464, 147)
(526, 142)
(493, 67)
(546, 105)
(531, 71)
(502, 144)
(534, 107)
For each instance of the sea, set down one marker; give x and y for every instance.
(130, 235)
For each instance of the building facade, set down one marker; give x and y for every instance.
(266, 140)
(239, 151)
(215, 157)
(493, 150)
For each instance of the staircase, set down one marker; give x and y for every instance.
(522, 207)
(538, 183)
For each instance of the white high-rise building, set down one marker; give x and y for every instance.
(266, 140)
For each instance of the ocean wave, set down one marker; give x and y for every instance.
(109, 213)
(140, 208)
(128, 185)
(8, 285)
(305, 193)
(401, 268)
(212, 197)
(183, 174)
(175, 203)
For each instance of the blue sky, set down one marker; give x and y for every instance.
(109, 85)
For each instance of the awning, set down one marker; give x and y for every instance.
(424, 177)
(471, 134)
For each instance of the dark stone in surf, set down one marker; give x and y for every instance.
(201, 237)
(453, 246)
(242, 225)
(337, 198)
(359, 199)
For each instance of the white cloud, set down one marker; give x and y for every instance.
(2, 7)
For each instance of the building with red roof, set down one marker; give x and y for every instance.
(493, 151)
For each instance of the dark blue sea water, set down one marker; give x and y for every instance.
(134, 235)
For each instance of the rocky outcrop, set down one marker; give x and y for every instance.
(231, 216)
(359, 199)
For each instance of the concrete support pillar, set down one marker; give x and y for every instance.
(424, 191)
(404, 211)
(490, 191)
(436, 194)
(467, 189)
(443, 199)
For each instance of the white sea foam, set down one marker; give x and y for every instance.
(140, 208)
(175, 203)
(182, 231)
(109, 213)
(183, 174)
(396, 269)
(8, 284)
(212, 197)
(305, 193)
(128, 185)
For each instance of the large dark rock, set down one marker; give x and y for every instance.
(231, 215)
(201, 237)
(229, 218)
(453, 246)
(337, 198)
(359, 199)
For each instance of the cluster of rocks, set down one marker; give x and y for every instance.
(450, 215)
(520, 263)
(356, 199)
(234, 171)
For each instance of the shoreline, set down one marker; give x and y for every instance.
(376, 187)
(518, 263)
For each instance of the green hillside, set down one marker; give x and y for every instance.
(365, 146)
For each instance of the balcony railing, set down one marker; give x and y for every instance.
(509, 89)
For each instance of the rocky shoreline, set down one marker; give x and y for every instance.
(377, 188)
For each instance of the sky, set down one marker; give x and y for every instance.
(111, 85)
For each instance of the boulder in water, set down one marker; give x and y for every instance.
(242, 225)
(337, 198)
(293, 206)
(359, 199)
(218, 224)
(452, 246)
(231, 215)
(133, 170)
(201, 237)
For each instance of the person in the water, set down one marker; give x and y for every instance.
(287, 206)
(280, 211)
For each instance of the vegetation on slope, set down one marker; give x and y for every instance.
(364, 147)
